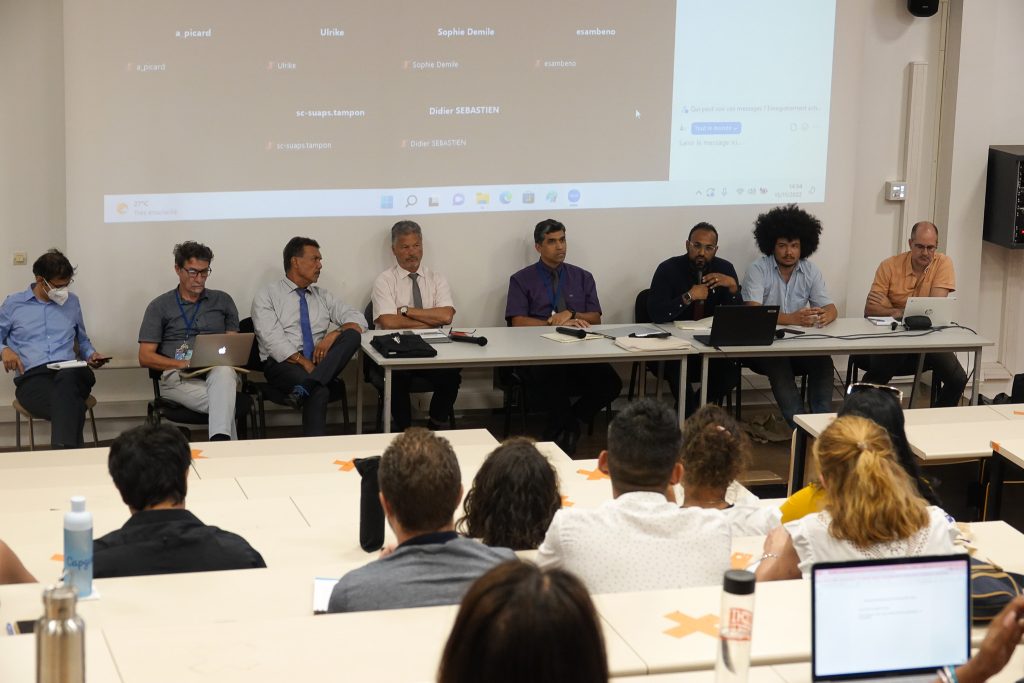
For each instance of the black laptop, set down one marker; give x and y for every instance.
(741, 326)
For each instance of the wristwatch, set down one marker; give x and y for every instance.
(687, 299)
(573, 316)
(404, 310)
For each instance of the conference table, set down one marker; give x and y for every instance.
(937, 436)
(847, 336)
(510, 346)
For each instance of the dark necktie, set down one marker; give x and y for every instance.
(417, 297)
(560, 301)
(307, 330)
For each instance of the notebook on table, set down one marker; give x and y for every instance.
(741, 326)
(897, 619)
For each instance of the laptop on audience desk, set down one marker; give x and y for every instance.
(211, 350)
(741, 326)
(898, 619)
(939, 309)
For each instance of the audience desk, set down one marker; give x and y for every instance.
(935, 435)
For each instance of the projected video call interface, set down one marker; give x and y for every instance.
(199, 110)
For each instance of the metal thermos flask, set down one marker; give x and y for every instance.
(60, 638)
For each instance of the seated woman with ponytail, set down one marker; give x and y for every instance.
(871, 508)
(715, 454)
(882, 405)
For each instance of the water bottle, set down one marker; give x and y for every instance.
(60, 639)
(735, 627)
(78, 547)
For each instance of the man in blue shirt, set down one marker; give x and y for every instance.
(40, 325)
(553, 292)
(787, 236)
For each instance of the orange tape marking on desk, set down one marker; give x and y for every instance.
(566, 503)
(740, 560)
(198, 454)
(345, 465)
(595, 475)
(707, 624)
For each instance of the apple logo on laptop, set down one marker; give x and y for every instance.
(222, 350)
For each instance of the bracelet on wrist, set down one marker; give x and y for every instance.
(768, 556)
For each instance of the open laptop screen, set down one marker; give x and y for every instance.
(889, 617)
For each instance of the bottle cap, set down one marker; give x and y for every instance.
(59, 601)
(78, 503)
(738, 582)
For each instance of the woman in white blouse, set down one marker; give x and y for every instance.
(872, 508)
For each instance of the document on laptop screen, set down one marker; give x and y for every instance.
(896, 617)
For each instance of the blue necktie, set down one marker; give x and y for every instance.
(307, 331)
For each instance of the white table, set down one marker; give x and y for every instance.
(935, 435)
(852, 336)
(506, 346)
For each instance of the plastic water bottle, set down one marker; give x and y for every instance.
(60, 639)
(78, 547)
(735, 627)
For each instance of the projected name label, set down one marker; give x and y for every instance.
(465, 32)
(150, 67)
(594, 32)
(464, 111)
(328, 32)
(434, 65)
(194, 33)
(437, 142)
(329, 113)
(559, 64)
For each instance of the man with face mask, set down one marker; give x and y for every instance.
(40, 325)
(688, 287)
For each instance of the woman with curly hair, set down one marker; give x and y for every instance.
(872, 508)
(513, 497)
(715, 453)
(787, 236)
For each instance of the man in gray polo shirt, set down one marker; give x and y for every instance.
(420, 487)
(167, 336)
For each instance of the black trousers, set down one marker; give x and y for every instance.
(58, 396)
(723, 375)
(596, 385)
(444, 384)
(944, 366)
(286, 376)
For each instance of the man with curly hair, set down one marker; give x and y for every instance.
(788, 236)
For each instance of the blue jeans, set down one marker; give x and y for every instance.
(782, 371)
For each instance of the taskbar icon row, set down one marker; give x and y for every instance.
(467, 198)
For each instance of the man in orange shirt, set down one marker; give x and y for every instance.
(918, 272)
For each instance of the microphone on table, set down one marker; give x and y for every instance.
(577, 332)
(466, 339)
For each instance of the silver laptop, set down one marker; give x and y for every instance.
(897, 619)
(210, 350)
(940, 309)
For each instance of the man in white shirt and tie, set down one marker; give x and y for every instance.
(411, 296)
(306, 334)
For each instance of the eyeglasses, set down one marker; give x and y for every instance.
(194, 274)
(857, 387)
(53, 286)
(698, 247)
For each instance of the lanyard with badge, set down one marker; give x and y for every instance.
(546, 277)
(184, 352)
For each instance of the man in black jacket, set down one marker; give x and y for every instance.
(689, 287)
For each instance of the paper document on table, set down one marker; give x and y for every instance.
(65, 364)
(702, 325)
(882, 321)
(322, 589)
(568, 339)
(433, 336)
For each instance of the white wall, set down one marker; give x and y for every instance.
(875, 40)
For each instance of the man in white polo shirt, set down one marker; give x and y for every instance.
(641, 540)
(411, 296)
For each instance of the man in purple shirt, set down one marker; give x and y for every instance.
(554, 293)
(40, 325)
